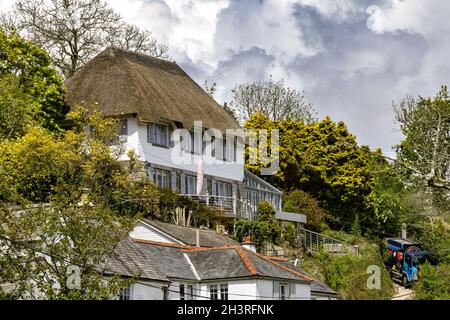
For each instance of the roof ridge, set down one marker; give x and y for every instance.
(247, 262)
(187, 227)
(277, 258)
(200, 249)
(163, 244)
(112, 49)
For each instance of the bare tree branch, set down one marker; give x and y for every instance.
(74, 31)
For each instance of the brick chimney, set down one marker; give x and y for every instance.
(249, 244)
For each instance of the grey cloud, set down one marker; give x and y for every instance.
(358, 74)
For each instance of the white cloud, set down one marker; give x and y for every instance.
(428, 18)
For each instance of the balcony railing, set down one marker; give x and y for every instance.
(229, 206)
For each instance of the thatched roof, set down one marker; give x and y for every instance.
(124, 82)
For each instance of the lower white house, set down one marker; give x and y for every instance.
(179, 272)
(182, 263)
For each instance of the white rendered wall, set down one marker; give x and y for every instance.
(265, 289)
(143, 232)
(147, 291)
(137, 141)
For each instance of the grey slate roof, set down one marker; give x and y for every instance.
(316, 285)
(232, 262)
(164, 261)
(130, 260)
(269, 269)
(218, 264)
(188, 235)
(168, 260)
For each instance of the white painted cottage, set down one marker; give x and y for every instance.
(154, 97)
(177, 262)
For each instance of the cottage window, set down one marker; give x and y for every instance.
(158, 134)
(123, 128)
(186, 292)
(125, 293)
(213, 292)
(283, 292)
(190, 185)
(190, 292)
(181, 291)
(229, 149)
(224, 291)
(224, 189)
(161, 178)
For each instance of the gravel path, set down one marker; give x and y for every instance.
(402, 293)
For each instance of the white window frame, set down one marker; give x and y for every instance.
(190, 185)
(214, 292)
(224, 291)
(285, 295)
(154, 137)
(125, 293)
(161, 173)
(187, 293)
(218, 290)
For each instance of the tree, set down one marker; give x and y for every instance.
(272, 99)
(301, 202)
(266, 228)
(66, 201)
(324, 160)
(31, 88)
(425, 151)
(74, 31)
(17, 110)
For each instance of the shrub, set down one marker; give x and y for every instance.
(266, 228)
(299, 201)
(347, 274)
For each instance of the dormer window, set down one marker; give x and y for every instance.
(158, 134)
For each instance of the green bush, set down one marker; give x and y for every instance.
(348, 274)
(266, 228)
(434, 283)
(301, 202)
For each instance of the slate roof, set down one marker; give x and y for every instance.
(218, 264)
(124, 83)
(131, 259)
(188, 235)
(236, 261)
(165, 261)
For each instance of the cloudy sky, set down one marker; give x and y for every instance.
(352, 58)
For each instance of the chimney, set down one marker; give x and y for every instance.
(404, 231)
(248, 244)
(197, 238)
